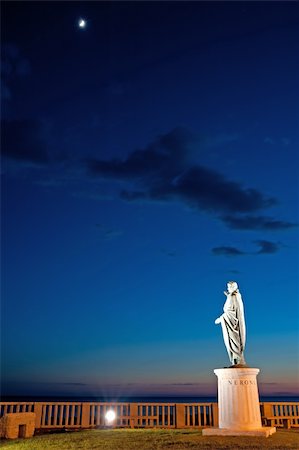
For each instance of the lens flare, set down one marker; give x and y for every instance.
(110, 416)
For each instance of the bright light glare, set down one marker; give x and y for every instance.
(82, 23)
(110, 415)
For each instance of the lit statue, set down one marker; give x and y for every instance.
(233, 324)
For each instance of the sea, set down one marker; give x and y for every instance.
(136, 399)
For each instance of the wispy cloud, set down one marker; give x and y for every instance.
(169, 252)
(60, 383)
(221, 139)
(109, 233)
(256, 223)
(268, 140)
(227, 251)
(265, 247)
(281, 141)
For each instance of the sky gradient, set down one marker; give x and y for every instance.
(147, 159)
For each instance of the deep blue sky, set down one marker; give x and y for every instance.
(147, 160)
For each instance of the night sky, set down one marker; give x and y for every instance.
(147, 159)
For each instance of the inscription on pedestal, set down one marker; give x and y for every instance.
(241, 382)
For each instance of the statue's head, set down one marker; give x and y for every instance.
(232, 286)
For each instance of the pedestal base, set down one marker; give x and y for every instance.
(238, 404)
(264, 432)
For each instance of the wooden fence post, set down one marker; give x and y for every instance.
(266, 411)
(133, 415)
(37, 409)
(179, 415)
(85, 411)
(215, 415)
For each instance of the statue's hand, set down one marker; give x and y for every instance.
(217, 321)
(225, 293)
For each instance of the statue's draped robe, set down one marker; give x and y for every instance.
(233, 327)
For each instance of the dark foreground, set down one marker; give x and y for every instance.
(152, 440)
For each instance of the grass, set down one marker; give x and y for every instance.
(119, 439)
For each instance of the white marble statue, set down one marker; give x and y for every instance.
(233, 324)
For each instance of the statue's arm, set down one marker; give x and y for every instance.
(218, 320)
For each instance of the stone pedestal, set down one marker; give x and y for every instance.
(238, 404)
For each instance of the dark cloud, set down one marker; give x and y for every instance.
(166, 156)
(23, 140)
(267, 247)
(256, 223)
(227, 251)
(164, 172)
(13, 65)
(137, 165)
(70, 384)
(211, 191)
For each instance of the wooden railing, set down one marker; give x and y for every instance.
(16, 407)
(200, 414)
(280, 414)
(59, 415)
(135, 415)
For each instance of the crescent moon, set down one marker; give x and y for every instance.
(81, 23)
